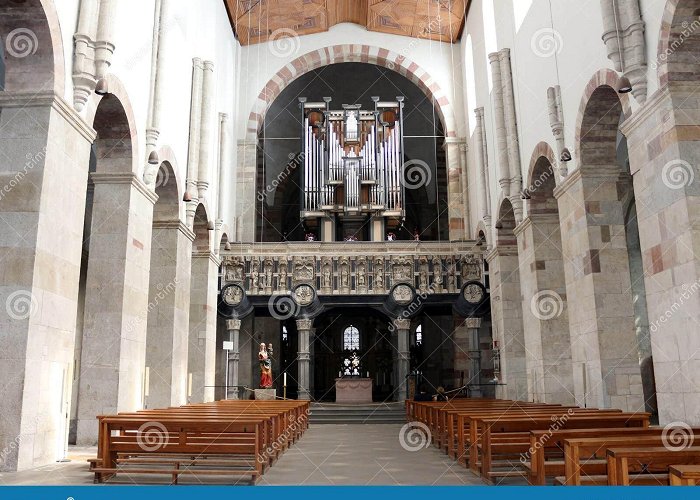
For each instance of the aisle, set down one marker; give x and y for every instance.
(363, 455)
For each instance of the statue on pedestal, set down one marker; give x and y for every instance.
(264, 356)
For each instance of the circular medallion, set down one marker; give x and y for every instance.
(402, 294)
(232, 295)
(474, 293)
(304, 295)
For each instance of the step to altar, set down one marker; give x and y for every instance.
(375, 413)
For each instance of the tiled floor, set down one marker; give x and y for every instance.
(325, 455)
(364, 455)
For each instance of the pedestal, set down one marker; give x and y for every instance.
(265, 394)
(353, 390)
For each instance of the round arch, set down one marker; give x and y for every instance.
(599, 113)
(116, 115)
(350, 53)
(32, 46)
(678, 42)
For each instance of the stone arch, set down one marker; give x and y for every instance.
(679, 43)
(224, 240)
(599, 117)
(542, 150)
(506, 224)
(350, 53)
(481, 233)
(33, 48)
(202, 234)
(113, 118)
(167, 207)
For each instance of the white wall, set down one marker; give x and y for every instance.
(200, 29)
(582, 53)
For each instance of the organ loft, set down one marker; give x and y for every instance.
(353, 168)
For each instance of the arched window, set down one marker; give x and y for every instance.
(351, 339)
(419, 335)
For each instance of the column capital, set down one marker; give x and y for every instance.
(233, 324)
(473, 323)
(125, 178)
(304, 324)
(402, 324)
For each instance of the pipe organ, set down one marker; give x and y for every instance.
(353, 164)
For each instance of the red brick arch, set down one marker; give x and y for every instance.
(350, 53)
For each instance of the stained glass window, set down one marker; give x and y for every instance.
(351, 339)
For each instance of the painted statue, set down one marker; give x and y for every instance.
(265, 366)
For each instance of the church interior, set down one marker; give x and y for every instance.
(242, 233)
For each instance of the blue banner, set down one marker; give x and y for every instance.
(324, 493)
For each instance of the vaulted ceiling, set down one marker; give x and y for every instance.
(257, 21)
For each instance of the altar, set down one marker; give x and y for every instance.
(353, 390)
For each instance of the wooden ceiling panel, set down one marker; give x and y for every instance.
(257, 21)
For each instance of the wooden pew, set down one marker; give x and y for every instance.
(551, 444)
(684, 475)
(510, 436)
(655, 462)
(579, 452)
(226, 438)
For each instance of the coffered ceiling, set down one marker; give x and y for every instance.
(257, 21)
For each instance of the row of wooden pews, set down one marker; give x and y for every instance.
(564, 445)
(237, 440)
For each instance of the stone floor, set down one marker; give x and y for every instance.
(326, 455)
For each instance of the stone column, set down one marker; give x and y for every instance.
(41, 269)
(460, 364)
(202, 335)
(304, 331)
(168, 314)
(233, 326)
(454, 189)
(545, 314)
(312, 362)
(205, 129)
(484, 203)
(473, 327)
(506, 311)
(194, 139)
(246, 198)
(116, 300)
(664, 147)
(402, 357)
(596, 266)
(500, 124)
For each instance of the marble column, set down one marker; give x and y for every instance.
(44, 143)
(664, 147)
(246, 198)
(507, 311)
(456, 198)
(473, 327)
(304, 331)
(545, 313)
(484, 198)
(168, 314)
(116, 301)
(233, 326)
(402, 357)
(202, 333)
(596, 265)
